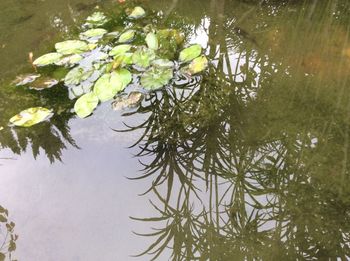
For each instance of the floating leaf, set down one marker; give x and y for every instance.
(107, 87)
(1, 128)
(143, 57)
(127, 36)
(72, 47)
(96, 19)
(197, 65)
(177, 36)
(97, 32)
(92, 46)
(120, 49)
(152, 41)
(172, 35)
(138, 12)
(168, 43)
(156, 78)
(133, 100)
(24, 79)
(43, 83)
(163, 63)
(31, 116)
(47, 59)
(190, 53)
(119, 61)
(122, 75)
(113, 35)
(127, 58)
(69, 60)
(86, 104)
(77, 75)
(75, 91)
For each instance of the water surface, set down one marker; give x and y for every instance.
(248, 161)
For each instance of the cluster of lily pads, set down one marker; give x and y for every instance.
(102, 64)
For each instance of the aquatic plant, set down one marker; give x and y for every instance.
(102, 63)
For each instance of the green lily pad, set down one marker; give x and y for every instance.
(156, 78)
(97, 32)
(137, 12)
(172, 35)
(127, 36)
(133, 100)
(163, 63)
(72, 47)
(122, 75)
(86, 104)
(31, 116)
(120, 61)
(92, 46)
(47, 59)
(120, 49)
(113, 35)
(152, 41)
(69, 60)
(127, 58)
(197, 65)
(96, 19)
(43, 83)
(24, 79)
(77, 75)
(107, 87)
(143, 57)
(169, 43)
(190, 53)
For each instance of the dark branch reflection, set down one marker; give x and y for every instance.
(249, 161)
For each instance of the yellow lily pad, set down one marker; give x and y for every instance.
(31, 116)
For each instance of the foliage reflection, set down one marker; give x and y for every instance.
(250, 161)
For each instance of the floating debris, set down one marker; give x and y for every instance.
(133, 100)
(43, 83)
(24, 79)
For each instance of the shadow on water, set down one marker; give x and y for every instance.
(249, 160)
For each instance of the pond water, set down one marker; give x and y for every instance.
(247, 161)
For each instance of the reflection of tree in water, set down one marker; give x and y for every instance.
(253, 161)
(8, 237)
(51, 137)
